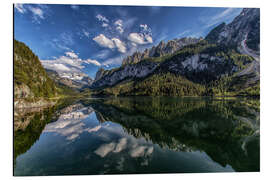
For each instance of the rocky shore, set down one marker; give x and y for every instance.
(41, 103)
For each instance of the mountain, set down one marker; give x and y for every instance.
(76, 81)
(223, 63)
(201, 125)
(131, 68)
(30, 78)
(160, 50)
(244, 28)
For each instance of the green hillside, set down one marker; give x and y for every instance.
(30, 78)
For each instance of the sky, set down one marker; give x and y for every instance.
(84, 38)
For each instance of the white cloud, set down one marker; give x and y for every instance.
(67, 38)
(61, 67)
(115, 61)
(120, 29)
(102, 18)
(148, 38)
(184, 33)
(62, 42)
(56, 67)
(119, 22)
(64, 64)
(134, 44)
(225, 15)
(103, 41)
(72, 55)
(37, 12)
(105, 25)
(102, 54)
(70, 62)
(86, 33)
(140, 38)
(136, 38)
(120, 45)
(144, 26)
(119, 26)
(91, 61)
(20, 8)
(145, 29)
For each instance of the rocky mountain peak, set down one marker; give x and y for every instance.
(244, 27)
(161, 49)
(99, 73)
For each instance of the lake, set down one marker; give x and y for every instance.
(138, 135)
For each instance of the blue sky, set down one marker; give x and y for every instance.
(83, 38)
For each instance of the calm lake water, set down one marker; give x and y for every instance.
(138, 135)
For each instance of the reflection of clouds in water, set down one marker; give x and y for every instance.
(94, 129)
(74, 115)
(109, 130)
(104, 149)
(134, 148)
(138, 151)
(71, 124)
(121, 145)
(73, 136)
(149, 151)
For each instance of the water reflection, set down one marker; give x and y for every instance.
(142, 135)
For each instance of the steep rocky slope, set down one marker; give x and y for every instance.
(245, 27)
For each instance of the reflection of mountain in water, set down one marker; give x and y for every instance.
(228, 131)
(69, 123)
(30, 122)
(28, 125)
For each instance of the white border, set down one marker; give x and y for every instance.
(6, 85)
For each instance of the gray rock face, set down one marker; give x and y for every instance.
(22, 91)
(41, 103)
(246, 24)
(199, 64)
(160, 50)
(130, 71)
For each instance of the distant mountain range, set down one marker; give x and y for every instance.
(73, 80)
(226, 62)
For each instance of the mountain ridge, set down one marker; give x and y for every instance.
(214, 60)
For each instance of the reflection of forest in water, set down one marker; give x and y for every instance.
(227, 130)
